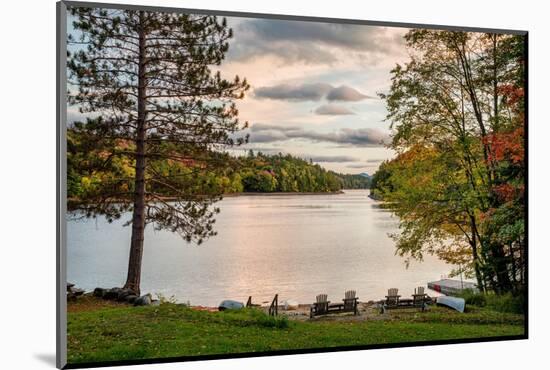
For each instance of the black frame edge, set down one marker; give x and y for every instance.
(290, 17)
(61, 188)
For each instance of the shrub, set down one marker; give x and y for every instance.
(513, 303)
(510, 303)
(474, 298)
(255, 317)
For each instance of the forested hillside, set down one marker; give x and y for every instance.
(256, 172)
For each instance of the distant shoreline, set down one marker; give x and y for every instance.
(275, 193)
(259, 194)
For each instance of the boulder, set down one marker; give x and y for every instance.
(99, 292)
(130, 298)
(144, 300)
(112, 293)
(124, 293)
(76, 291)
(229, 304)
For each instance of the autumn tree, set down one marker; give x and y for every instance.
(146, 81)
(446, 104)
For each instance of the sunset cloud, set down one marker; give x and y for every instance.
(309, 92)
(310, 42)
(363, 137)
(331, 158)
(304, 92)
(333, 110)
(346, 93)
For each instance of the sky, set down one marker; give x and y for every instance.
(314, 88)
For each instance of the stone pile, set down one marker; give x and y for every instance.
(73, 292)
(125, 295)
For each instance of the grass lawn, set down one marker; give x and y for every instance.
(117, 332)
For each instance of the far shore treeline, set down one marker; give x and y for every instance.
(253, 173)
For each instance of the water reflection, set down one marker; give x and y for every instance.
(297, 246)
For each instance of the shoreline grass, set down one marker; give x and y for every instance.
(108, 333)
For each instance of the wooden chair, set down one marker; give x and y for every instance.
(350, 302)
(274, 307)
(392, 299)
(419, 297)
(320, 307)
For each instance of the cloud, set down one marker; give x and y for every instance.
(330, 158)
(304, 92)
(309, 42)
(375, 160)
(364, 137)
(346, 93)
(357, 165)
(333, 110)
(310, 92)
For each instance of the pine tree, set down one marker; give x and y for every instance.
(146, 81)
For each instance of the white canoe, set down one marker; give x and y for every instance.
(452, 302)
(229, 304)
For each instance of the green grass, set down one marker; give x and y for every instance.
(168, 330)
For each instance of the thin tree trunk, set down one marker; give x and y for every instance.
(501, 268)
(138, 218)
(495, 85)
(475, 256)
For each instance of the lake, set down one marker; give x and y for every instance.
(294, 245)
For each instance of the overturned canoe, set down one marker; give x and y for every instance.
(452, 302)
(229, 304)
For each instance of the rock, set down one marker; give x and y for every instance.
(76, 291)
(124, 293)
(69, 286)
(99, 292)
(144, 300)
(130, 298)
(229, 304)
(112, 293)
(155, 302)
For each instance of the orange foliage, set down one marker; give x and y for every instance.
(506, 146)
(513, 93)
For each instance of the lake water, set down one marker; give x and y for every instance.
(294, 245)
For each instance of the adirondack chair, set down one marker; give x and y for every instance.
(392, 299)
(320, 307)
(350, 302)
(419, 297)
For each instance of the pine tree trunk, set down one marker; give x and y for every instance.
(138, 217)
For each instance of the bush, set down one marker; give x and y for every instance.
(510, 303)
(255, 317)
(474, 298)
(506, 302)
